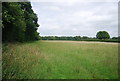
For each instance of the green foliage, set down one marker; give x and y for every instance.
(114, 37)
(13, 22)
(79, 38)
(102, 35)
(85, 37)
(31, 22)
(19, 22)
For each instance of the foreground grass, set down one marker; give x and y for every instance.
(60, 60)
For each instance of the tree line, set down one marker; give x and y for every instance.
(100, 36)
(63, 37)
(19, 22)
(72, 38)
(79, 38)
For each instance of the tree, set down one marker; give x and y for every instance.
(118, 38)
(13, 22)
(114, 37)
(85, 37)
(77, 37)
(19, 22)
(31, 22)
(102, 35)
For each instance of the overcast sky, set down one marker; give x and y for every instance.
(76, 18)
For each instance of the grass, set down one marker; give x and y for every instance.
(60, 60)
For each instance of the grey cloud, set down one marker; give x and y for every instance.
(76, 19)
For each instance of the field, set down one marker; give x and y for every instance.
(60, 60)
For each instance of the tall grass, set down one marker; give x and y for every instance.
(60, 60)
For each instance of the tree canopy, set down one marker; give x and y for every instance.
(102, 35)
(19, 22)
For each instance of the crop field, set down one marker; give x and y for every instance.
(60, 60)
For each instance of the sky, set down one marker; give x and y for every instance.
(76, 18)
